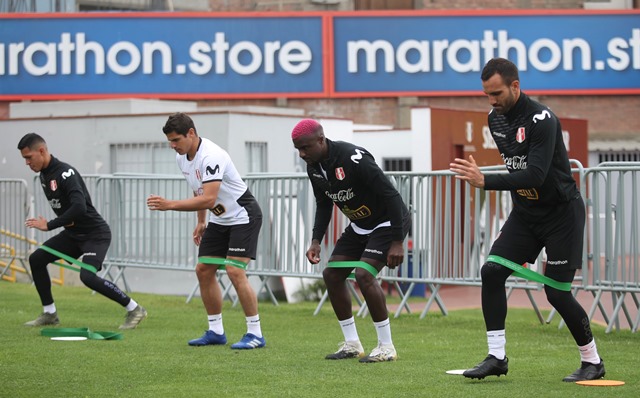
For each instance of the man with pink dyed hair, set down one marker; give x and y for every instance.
(347, 175)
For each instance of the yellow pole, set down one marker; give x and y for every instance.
(57, 281)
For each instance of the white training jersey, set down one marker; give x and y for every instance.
(212, 163)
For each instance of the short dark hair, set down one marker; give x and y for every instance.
(505, 68)
(30, 141)
(180, 123)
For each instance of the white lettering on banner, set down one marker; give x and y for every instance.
(487, 139)
(71, 54)
(543, 54)
(566, 138)
(125, 58)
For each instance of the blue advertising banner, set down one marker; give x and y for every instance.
(199, 55)
(324, 54)
(446, 53)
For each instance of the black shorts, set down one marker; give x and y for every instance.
(561, 234)
(231, 240)
(374, 245)
(91, 247)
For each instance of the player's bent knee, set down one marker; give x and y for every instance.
(489, 269)
(205, 270)
(89, 278)
(494, 272)
(364, 277)
(334, 275)
(555, 296)
(236, 274)
(37, 259)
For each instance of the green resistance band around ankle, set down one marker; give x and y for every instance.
(73, 265)
(522, 272)
(222, 262)
(353, 264)
(81, 332)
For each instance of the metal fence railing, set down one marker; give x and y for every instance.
(613, 242)
(453, 228)
(14, 248)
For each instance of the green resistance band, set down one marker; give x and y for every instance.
(222, 262)
(80, 332)
(353, 264)
(522, 272)
(72, 261)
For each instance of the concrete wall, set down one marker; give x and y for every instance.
(84, 142)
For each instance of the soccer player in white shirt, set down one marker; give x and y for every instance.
(231, 236)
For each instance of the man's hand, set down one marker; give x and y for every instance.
(395, 255)
(468, 170)
(313, 254)
(155, 202)
(198, 232)
(37, 223)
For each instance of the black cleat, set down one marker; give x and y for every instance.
(348, 349)
(491, 366)
(587, 371)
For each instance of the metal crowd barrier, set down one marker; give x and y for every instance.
(454, 225)
(142, 238)
(614, 240)
(13, 213)
(453, 228)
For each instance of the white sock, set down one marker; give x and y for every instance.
(215, 323)
(349, 329)
(496, 340)
(253, 325)
(383, 328)
(132, 305)
(589, 353)
(49, 309)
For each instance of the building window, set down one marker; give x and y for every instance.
(256, 157)
(156, 158)
(397, 164)
(383, 5)
(619, 156)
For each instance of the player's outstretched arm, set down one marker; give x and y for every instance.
(201, 202)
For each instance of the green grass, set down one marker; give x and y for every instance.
(155, 360)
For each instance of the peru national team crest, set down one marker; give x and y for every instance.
(340, 173)
(53, 185)
(198, 175)
(520, 135)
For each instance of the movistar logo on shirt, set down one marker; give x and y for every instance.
(541, 116)
(213, 171)
(355, 158)
(67, 174)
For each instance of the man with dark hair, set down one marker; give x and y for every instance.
(85, 233)
(230, 239)
(348, 176)
(548, 212)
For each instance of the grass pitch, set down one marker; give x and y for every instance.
(155, 360)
